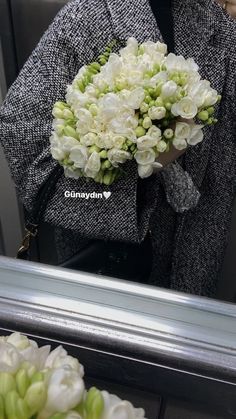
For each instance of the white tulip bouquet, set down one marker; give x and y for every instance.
(38, 384)
(134, 104)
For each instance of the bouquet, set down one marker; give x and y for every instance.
(38, 384)
(134, 104)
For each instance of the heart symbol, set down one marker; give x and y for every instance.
(107, 194)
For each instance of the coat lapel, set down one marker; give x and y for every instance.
(134, 18)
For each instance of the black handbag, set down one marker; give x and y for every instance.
(116, 259)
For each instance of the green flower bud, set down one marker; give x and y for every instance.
(96, 66)
(144, 108)
(57, 113)
(147, 99)
(159, 88)
(125, 147)
(133, 148)
(129, 142)
(103, 154)
(168, 106)
(93, 109)
(147, 123)
(67, 114)
(94, 404)
(203, 115)
(94, 148)
(168, 133)
(99, 177)
(22, 382)
(60, 105)
(103, 60)
(140, 131)
(159, 102)
(7, 383)
(107, 178)
(106, 164)
(152, 103)
(219, 98)
(30, 368)
(81, 85)
(211, 110)
(11, 404)
(151, 91)
(59, 416)
(156, 68)
(22, 409)
(39, 376)
(2, 408)
(36, 397)
(70, 132)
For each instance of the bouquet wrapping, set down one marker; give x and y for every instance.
(134, 104)
(38, 384)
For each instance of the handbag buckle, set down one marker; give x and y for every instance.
(31, 231)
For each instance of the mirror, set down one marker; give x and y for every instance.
(191, 251)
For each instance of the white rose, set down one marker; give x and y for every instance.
(182, 130)
(93, 165)
(59, 358)
(145, 170)
(145, 157)
(79, 156)
(185, 108)
(169, 89)
(65, 391)
(196, 135)
(155, 133)
(161, 146)
(10, 358)
(179, 143)
(115, 408)
(136, 97)
(161, 47)
(88, 139)
(118, 141)
(146, 142)
(72, 173)
(85, 122)
(157, 112)
(116, 156)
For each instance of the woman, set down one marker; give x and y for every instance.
(188, 206)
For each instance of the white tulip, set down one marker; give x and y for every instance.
(93, 165)
(157, 112)
(179, 143)
(29, 350)
(116, 156)
(65, 390)
(10, 358)
(136, 97)
(115, 408)
(146, 142)
(169, 89)
(145, 157)
(79, 156)
(59, 358)
(182, 130)
(145, 170)
(196, 135)
(72, 173)
(88, 139)
(186, 108)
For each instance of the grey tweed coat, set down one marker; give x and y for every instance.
(188, 214)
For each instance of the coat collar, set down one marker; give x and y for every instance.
(196, 29)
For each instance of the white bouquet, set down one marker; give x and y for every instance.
(38, 384)
(134, 104)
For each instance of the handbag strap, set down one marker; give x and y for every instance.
(35, 217)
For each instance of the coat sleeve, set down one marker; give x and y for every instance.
(26, 123)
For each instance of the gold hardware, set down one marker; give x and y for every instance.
(26, 240)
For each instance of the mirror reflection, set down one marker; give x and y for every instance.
(117, 156)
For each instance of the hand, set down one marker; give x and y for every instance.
(229, 6)
(170, 157)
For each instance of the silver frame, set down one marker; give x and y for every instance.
(144, 323)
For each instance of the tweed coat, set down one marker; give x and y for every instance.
(188, 206)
